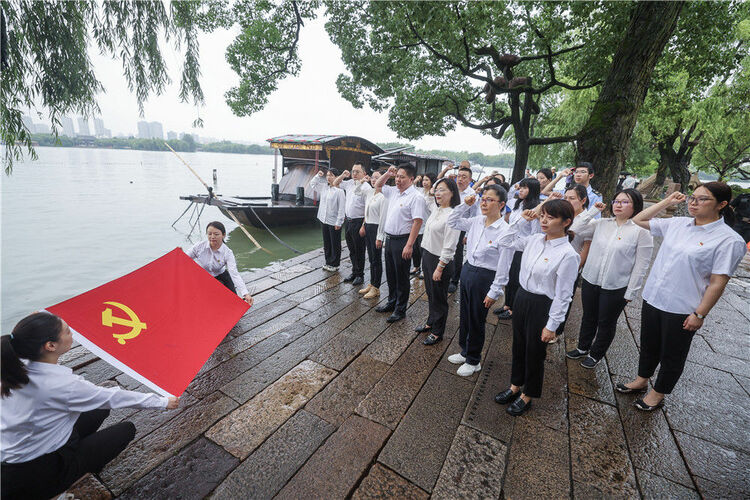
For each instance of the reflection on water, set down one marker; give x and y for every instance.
(78, 217)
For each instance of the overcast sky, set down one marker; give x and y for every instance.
(306, 104)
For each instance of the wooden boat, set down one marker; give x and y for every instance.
(292, 202)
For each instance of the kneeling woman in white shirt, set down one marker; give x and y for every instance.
(549, 267)
(438, 247)
(50, 419)
(482, 263)
(218, 259)
(617, 262)
(695, 261)
(331, 214)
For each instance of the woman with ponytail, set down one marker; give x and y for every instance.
(50, 417)
(549, 266)
(697, 257)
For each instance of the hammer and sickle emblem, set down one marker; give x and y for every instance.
(135, 324)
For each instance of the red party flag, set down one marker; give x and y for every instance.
(159, 324)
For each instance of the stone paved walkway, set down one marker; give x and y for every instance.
(313, 395)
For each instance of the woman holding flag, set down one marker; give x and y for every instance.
(218, 259)
(50, 421)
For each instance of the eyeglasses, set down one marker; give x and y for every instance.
(487, 200)
(621, 202)
(699, 201)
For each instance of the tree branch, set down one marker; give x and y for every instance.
(542, 141)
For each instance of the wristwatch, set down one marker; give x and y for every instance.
(700, 316)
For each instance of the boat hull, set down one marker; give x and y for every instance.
(273, 216)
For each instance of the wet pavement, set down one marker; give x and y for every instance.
(313, 395)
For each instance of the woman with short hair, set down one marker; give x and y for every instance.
(50, 417)
(697, 257)
(213, 255)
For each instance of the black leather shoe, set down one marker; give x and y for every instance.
(504, 313)
(641, 405)
(506, 396)
(386, 308)
(349, 278)
(422, 329)
(452, 287)
(432, 339)
(629, 390)
(396, 316)
(358, 281)
(518, 407)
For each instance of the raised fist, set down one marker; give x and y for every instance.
(600, 206)
(347, 174)
(470, 199)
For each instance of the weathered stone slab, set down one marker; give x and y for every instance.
(248, 426)
(307, 292)
(328, 311)
(268, 469)
(349, 314)
(192, 473)
(304, 281)
(717, 464)
(339, 351)
(268, 297)
(284, 321)
(622, 355)
(263, 284)
(256, 316)
(707, 376)
(737, 348)
(369, 326)
(547, 450)
(145, 454)
(652, 447)
(382, 482)
(744, 382)
(599, 453)
(339, 398)
(89, 488)
(98, 371)
(213, 380)
(77, 357)
(550, 409)
(473, 467)
(397, 337)
(454, 347)
(654, 487)
(391, 397)
(262, 375)
(291, 272)
(594, 384)
(334, 470)
(421, 442)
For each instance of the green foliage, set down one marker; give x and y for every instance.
(46, 67)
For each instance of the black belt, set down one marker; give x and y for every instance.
(397, 236)
(354, 218)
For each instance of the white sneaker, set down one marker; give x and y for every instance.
(466, 370)
(457, 359)
(553, 341)
(326, 268)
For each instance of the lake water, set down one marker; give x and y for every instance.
(77, 218)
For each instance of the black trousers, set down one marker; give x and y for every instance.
(397, 272)
(530, 315)
(226, 280)
(86, 451)
(416, 254)
(601, 308)
(458, 258)
(356, 245)
(332, 245)
(513, 276)
(475, 283)
(374, 254)
(663, 342)
(437, 292)
(561, 328)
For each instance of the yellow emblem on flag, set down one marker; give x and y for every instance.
(135, 324)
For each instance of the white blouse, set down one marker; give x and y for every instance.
(39, 417)
(619, 255)
(216, 261)
(439, 239)
(429, 205)
(376, 207)
(533, 227)
(687, 258)
(480, 248)
(403, 208)
(548, 267)
(332, 205)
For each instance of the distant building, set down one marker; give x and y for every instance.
(156, 130)
(42, 128)
(28, 122)
(83, 126)
(67, 126)
(143, 130)
(171, 135)
(99, 127)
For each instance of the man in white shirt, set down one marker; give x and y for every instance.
(629, 182)
(582, 174)
(355, 216)
(406, 213)
(463, 181)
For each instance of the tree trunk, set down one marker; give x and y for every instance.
(605, 139)
(521, 160)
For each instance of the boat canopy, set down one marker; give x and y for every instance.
(423, 163)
